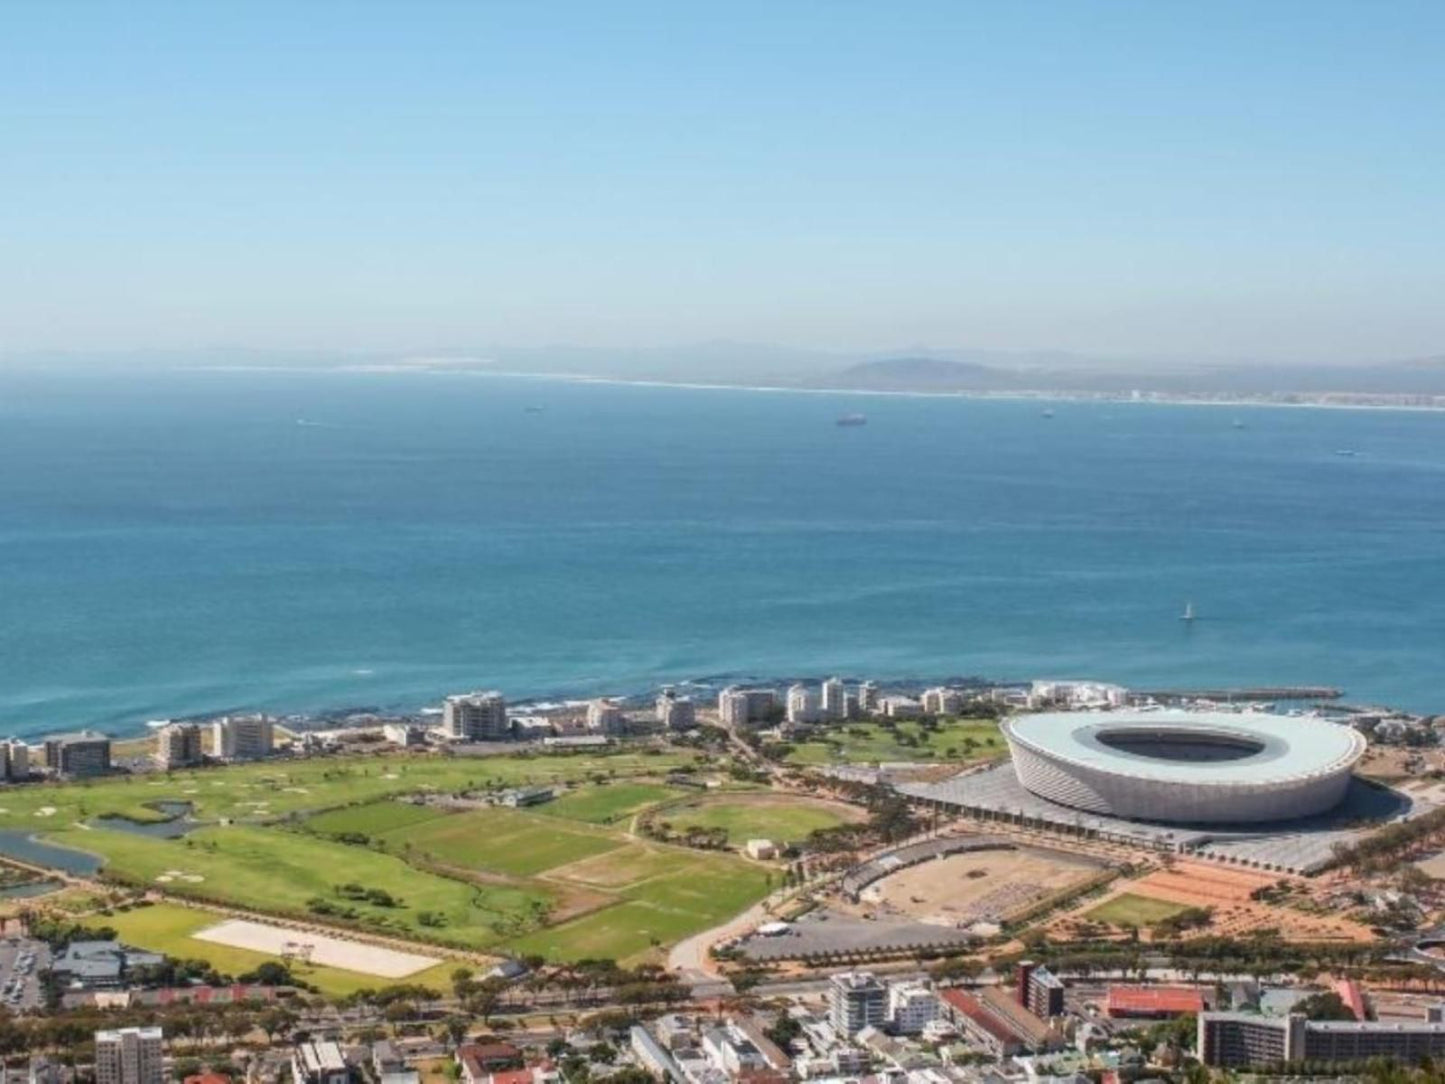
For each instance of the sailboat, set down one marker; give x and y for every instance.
(1188, 614)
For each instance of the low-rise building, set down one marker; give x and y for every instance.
(1153, 1002)
(404, 735)
(319, 1062)
(761, 849)
(521, 797)
(130, 1056)
(477, 1061)
(99, 965)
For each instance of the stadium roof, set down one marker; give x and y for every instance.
(1271, 747)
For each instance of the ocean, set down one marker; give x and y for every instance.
(191, 542)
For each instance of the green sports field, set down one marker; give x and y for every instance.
(1129, 909)
(782, 819)
(607, 804)
(960, 740)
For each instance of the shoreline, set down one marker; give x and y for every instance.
(1373, 401)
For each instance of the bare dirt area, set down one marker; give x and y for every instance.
(1227, 891)
(318, 948)
(980, 886)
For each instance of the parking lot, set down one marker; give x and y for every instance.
(21, 963)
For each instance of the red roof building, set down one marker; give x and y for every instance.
(1153, 1002)
(1349, 992)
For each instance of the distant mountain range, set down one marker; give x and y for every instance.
(1424, 376)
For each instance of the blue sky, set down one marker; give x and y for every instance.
(1235, 180)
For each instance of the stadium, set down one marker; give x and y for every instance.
(1185, 767)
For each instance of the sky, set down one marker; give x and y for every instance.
(1233, 180)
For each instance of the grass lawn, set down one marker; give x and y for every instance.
(697, 892)
(373, 819)
(502, 841)
(622, 867)
(270, 869)
(1129, 909)
(168, 928)
(780, 819)
(269, 789)
(870, 743)
(608, 803)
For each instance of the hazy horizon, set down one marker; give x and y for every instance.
(1144, 184)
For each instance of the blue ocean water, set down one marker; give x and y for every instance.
(191, 542)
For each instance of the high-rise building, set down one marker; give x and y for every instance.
(676, 712)
(802, 705)
(911, 1005)
(129, 1056)
(737, 706)
(76, 756)
(856, 1000)
(17, 761)
(606, 716)
(178, 745)
(243, 737)
(834, 704)
(868, 698)
(942, 701)
(480, 716)
(1039, 990)
(732, 706)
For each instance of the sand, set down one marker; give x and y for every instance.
(325, 950)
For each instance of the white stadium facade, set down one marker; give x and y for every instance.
(1185, 767)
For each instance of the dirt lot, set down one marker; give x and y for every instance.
(981, 886)
(1196, 884)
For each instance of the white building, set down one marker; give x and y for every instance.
(129, 1056)
(942, 701)
(676, 712)
(319, 1063)
(761, 849)
(17, 761)
(835, 699)
(737, 706)
(856, 1000)
(732, 706)
(900, 707)
(911, 1005)
(242, 737)
(479, 716)
(178, 745)
(605, 716)
(404, 735)
(868, 698)
(802, 705)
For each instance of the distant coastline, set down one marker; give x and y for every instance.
(1310, 400)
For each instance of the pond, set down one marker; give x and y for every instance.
(29, 889)
(179, 822)
(24, 847)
